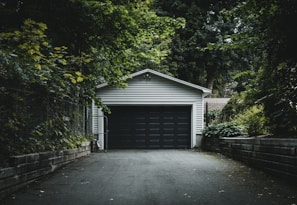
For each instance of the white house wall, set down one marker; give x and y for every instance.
(156, 91)
(95, 115)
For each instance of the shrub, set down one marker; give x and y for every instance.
(254, 120)
(227, 129)
(213, 116)
(235, 105)
(211, 134)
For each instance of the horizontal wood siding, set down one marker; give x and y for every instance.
(95, 115)
(199, 115)
(153, 91)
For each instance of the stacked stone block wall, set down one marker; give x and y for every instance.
(277, 156)
(24, 169)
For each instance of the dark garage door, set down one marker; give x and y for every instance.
(149, 127)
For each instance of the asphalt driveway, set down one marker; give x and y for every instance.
(165, 177)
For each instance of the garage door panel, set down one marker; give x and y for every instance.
(153, 125)
(153, 131)
(168, 130)
(140, 123)
(140, 131)
(150, 127)
(182, 129)
(168, 124)
(140, 140)
(154, 141)
(154, 118)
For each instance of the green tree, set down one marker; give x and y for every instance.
(121, 36)
(37, 78)
(193, 54)
(266, 30)
(48, 69)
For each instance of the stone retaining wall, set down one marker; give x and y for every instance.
(25, 169)
(277, 156)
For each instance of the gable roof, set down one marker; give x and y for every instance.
(206, 91)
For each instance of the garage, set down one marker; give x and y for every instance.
(149, 127)
(154, 111)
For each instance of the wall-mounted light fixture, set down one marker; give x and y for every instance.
(146, 76)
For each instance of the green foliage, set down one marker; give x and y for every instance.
(33, 145)
(280, 99)
(194, 56)
(265, 29)
(152, 46)
(214, 116)
(254, 120)
(121, 36)
(213, 133)
(227, 129)
(41, 64)
(241, 108)
(37, 78)
(235, 105)
(49, 70)
(252, 40)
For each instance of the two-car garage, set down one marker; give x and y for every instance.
(149, 127)
(155, 111)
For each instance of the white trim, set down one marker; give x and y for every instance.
(202, 110)
(158, 90)
(101, 129)
(193, 121)
(205, 91)
(150, 103)
(193, 124)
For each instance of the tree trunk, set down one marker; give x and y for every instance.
(210, 80)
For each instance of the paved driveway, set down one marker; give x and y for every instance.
(165, 177)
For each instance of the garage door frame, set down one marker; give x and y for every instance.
(144, 140)
(191, 105)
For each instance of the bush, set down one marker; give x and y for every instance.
(212, 134)
(234, 106)
(35, 145)
(213, 116)
(254, 120)
(227, 129)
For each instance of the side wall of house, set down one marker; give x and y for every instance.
(154, 91)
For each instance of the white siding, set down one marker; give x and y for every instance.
(154, 91)
(199, 115)
(95, 115)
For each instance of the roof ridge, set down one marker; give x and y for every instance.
(203, 89)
